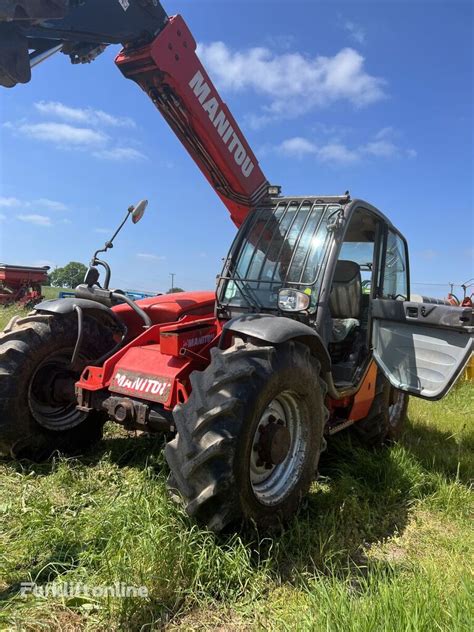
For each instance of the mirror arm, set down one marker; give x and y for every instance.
(109, 244)
(105, 265)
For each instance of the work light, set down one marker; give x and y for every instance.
(293, 300)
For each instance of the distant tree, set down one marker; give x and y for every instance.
(70, 276)
(175, 290)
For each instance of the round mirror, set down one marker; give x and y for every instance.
(139, 211)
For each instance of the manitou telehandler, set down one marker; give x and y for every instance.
(247, 381)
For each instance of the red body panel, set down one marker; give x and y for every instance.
(167, 308)
(170, 72)
(189, 337)
(142, 369)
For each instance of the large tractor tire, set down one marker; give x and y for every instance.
(249, 437)
(38, 414)
(386, 417)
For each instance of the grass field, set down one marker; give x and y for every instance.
(384, 541)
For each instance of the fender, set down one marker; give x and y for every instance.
(63, 306)
(66, 305)
(278, 329)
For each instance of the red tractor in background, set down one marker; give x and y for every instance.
(22, 284)
(247, 382)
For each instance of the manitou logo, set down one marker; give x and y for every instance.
(198, 341)
(151, 388)
(213, 108)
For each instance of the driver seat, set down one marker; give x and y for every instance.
(345, 300)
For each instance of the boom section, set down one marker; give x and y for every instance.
(170, 72)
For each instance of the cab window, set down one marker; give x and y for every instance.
(395, 271)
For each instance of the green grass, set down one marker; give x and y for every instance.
(384, 541)
(53, 292)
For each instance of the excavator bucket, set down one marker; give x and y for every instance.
(32, 29)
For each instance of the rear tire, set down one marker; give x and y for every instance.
(386, 417)
(249, 437)
(37, 418)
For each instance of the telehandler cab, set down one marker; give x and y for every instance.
(312, 328)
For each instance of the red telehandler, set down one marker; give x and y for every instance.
(249, 381)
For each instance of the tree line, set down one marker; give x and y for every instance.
(72, 274)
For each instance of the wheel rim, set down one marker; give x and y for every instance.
(51, 397)
(281, 439)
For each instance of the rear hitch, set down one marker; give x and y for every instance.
(130, 413)
(136, 415)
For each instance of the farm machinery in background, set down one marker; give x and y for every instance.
(247, 382)
(468, 297)
(21, 285)
(466, 301)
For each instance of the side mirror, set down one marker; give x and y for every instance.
(139, 211)
(92, 276)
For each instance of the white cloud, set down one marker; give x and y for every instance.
(338, 153)
(9, 202)
(150, 257)
(61, 134)
(293, 83)
(103, 231)
(298, 146)
(83, 130)
(2, 217)
(45, 203)
(120, 154)
(52, 205)
(334, 151)
(383, 148)
(38, 220)
(88, 116)
(326, 152)
(356, 32)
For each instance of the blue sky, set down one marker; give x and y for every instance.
(374, 97)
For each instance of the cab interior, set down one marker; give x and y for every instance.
(347, 329)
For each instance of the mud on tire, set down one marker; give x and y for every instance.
(212, 457)
(33, 424)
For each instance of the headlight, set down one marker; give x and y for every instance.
(293, 300)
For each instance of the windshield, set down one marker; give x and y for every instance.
(278, 247)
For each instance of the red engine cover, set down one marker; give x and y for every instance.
(167, 308)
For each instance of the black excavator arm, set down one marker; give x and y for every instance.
(30, 30)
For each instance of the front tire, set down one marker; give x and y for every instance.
(386, 418)
(38, 414)
(249, 437)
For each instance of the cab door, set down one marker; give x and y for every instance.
(422, 347)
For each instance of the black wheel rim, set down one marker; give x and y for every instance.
(51, 397)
